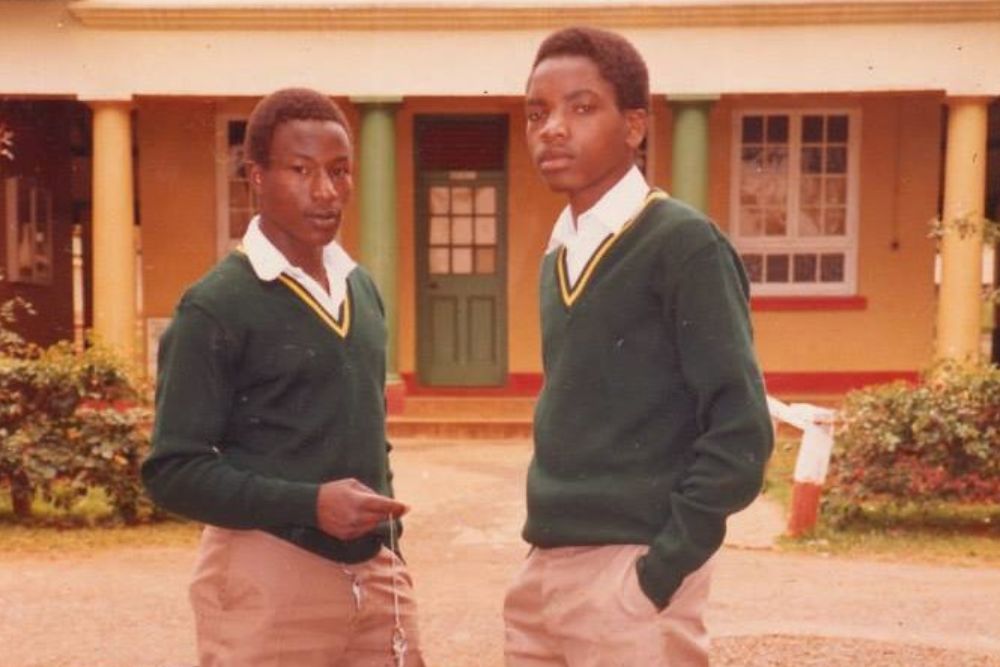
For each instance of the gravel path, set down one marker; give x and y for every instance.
(127, 608)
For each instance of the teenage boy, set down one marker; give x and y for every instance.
(270, 422)
(652, 425)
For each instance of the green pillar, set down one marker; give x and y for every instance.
(377, 189)
(689, 181)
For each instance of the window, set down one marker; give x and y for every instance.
(794, 207)
(236, 203)
(28, 222)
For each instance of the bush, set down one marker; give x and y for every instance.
(69, 422)
(924, 444)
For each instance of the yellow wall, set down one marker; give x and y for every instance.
(899, 183)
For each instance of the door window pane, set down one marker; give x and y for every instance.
(774, 221)
(438, 260)
(461, 231)
(486, 260)
(836, 129)
(753, 129)
(440, 230)
(486, 230)
(805, 268)
(777, 268)
(486, 200)
(835, 222)
(461, 260)
(754, 265)
(461, 200)
(439, 200)
(809, 222)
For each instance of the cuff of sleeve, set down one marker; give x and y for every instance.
(302, 504)
(658, 580)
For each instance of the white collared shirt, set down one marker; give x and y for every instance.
(604, 218)
(268, 263)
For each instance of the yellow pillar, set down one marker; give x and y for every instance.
(960, 303)
(114, 228)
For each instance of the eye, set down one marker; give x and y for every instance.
(300, 169)
(535, 115)
(583, 108)
(341, 171)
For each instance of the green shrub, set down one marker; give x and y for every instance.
(70, 421)
(936, 441)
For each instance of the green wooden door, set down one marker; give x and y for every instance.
(461, 275)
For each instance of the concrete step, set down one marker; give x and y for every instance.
(459, 417)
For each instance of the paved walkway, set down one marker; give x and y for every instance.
(127, 608)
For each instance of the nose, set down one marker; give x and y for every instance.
(323, 187)
(554, 127)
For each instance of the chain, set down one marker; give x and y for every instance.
(399, 644)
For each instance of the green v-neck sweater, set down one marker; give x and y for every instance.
(652, 424)
(259, 401)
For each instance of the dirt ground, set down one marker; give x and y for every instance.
(127, 608)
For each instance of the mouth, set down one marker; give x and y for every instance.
(553, 160)
(324, 219)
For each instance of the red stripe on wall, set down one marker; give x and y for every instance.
(808, 382)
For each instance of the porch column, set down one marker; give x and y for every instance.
(960, 304)
(377, 191)
(114, 265)
(690, 143)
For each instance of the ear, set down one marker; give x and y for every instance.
(636, 121)
(254, 172)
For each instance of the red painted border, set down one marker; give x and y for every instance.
(766, 303)
(518, 384)
(799, 382)
(832, 382)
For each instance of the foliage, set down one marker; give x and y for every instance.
(920, 445)
(70, 421)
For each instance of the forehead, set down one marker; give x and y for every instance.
(567, 75)
(311, 138)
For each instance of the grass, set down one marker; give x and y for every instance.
(947, 533)
(83, 528)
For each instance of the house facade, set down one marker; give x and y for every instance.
(822, 137)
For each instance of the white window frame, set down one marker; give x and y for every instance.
(848, 244)
(223, 243)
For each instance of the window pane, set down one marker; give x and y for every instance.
(461, 260)
(777, 129)
(805, 268)
(774, 222)
(753, 159)
(461, 231)
(836, 129)
(810, 191)
(751, 222)
(438, 260)
(461, 200)
(755, 267)
(812, 160)
(836, 190)
(812, 129)
(439, 200)
(486, 230)
(486, 200)
(776, 159)
(835, 223)
(809, 222)
(753, 129)
(836, 160)
(831, 268)
(440, 227)
(486, 260)
(777, 268)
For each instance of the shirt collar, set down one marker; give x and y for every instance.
(268, 262)
(609, 214)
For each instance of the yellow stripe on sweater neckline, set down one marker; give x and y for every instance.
(571, 294)
(340, 324)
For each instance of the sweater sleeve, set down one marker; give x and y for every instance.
(725, 466)
(186, 472)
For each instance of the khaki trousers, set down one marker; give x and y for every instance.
(260, 601)
(583, 607)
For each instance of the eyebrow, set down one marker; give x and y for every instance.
(572, 95)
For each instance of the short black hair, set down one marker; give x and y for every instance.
(282, 106)
(616, 59)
